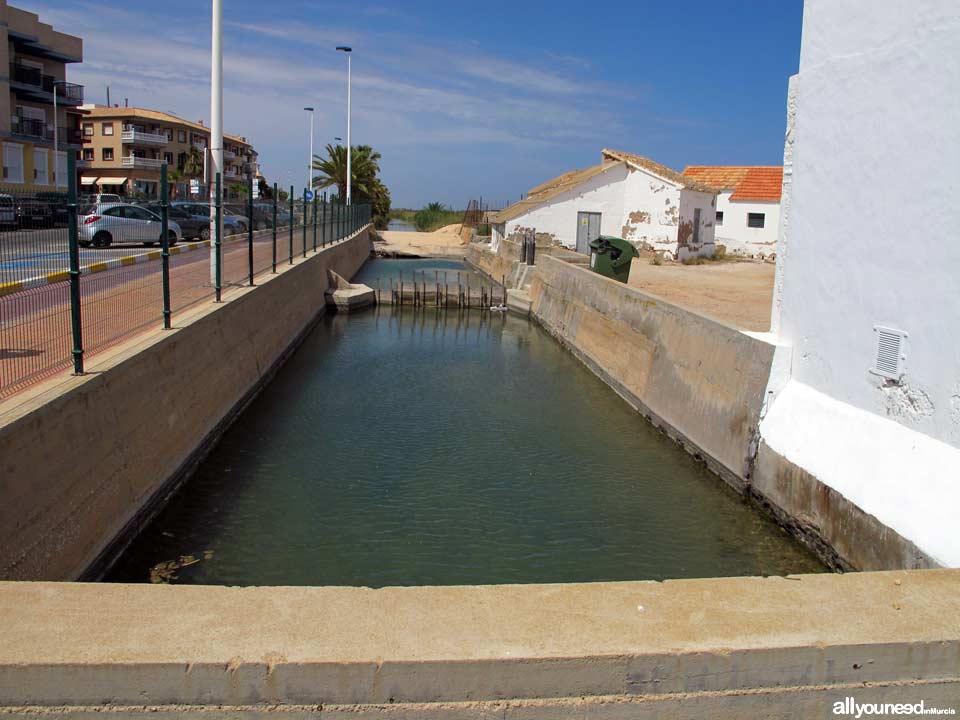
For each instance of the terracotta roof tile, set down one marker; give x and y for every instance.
(748, 182)
(761, 184)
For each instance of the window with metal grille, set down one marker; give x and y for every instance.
(889, 358)
(719, 217)
(756, 220)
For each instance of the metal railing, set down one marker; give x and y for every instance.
(31, 127)
(72, 284)
(146, 138)
(35, 77)
(142, 162)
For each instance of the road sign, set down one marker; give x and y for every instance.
(308, 195)
(194, 187)
(256, 190)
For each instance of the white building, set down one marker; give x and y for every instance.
(748, 206)
(867, 297)
(625, 195)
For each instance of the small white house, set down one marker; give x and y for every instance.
(748, 206)
(625, 195)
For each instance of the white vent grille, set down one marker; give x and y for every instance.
(890, 348)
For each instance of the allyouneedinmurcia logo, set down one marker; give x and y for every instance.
(849, 706)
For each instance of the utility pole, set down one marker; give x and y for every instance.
(216, 128)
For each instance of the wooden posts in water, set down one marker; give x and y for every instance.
(468, 296)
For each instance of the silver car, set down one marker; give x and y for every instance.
(115, 223)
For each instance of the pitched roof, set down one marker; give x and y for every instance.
(550, 189)
(158, 116)
(748, 182)
(610, 158)
(642, 163)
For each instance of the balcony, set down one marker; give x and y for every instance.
(138, 137)
(31, 128)
(70, 136)
(37, 86)
(141, 162)
(229, 154)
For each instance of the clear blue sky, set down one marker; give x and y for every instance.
(462, 99)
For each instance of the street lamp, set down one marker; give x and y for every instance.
(216, 136)
(348, 50)
(310, 161)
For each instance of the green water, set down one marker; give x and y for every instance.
(402, 447)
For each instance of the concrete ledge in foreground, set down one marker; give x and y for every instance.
(623, 649)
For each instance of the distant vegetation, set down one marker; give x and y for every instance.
(428, 218)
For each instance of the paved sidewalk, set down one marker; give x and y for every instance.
(35, 326)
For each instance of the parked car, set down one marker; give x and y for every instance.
(57, 202)
(108, 223)
(8, 211)
(98, 198)
(33, 213)
(240, 213)
(191, 226)
(231, 224)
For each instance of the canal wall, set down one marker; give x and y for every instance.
(87, 460)
(700, 381)
(709, 386)
(719, 648)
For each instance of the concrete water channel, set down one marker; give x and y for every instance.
(430, 446)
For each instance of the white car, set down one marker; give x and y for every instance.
(113, 223)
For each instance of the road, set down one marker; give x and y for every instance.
(35, 329)
(26, 254)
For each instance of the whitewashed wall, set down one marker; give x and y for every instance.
(875, 233)
(691, 200)
(737, 236)
(873, 240)
(651, 212)
(558, 216)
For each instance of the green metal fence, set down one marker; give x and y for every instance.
(77, 277)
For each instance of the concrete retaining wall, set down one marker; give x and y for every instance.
(701, 381)
(84, 458)
(722, 648)
(839, 531)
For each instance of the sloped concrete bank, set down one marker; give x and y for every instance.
(86, 460)
(702, 382)
(719, 648)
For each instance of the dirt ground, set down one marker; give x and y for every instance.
(739, 294)
(444, 242)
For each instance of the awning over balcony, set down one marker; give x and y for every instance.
(96, 180)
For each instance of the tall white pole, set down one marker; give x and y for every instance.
(309, 184)
(216, 125)
(349, 174)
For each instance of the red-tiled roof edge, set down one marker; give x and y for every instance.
(761, 184)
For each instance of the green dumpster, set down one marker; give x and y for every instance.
(610, 256)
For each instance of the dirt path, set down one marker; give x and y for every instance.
(444, 242)
(735, 293)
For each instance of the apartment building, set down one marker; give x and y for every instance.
(39, 110)
(125, 147)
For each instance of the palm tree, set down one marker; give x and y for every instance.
(174, 178)
(364, 167)
(193, 167)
